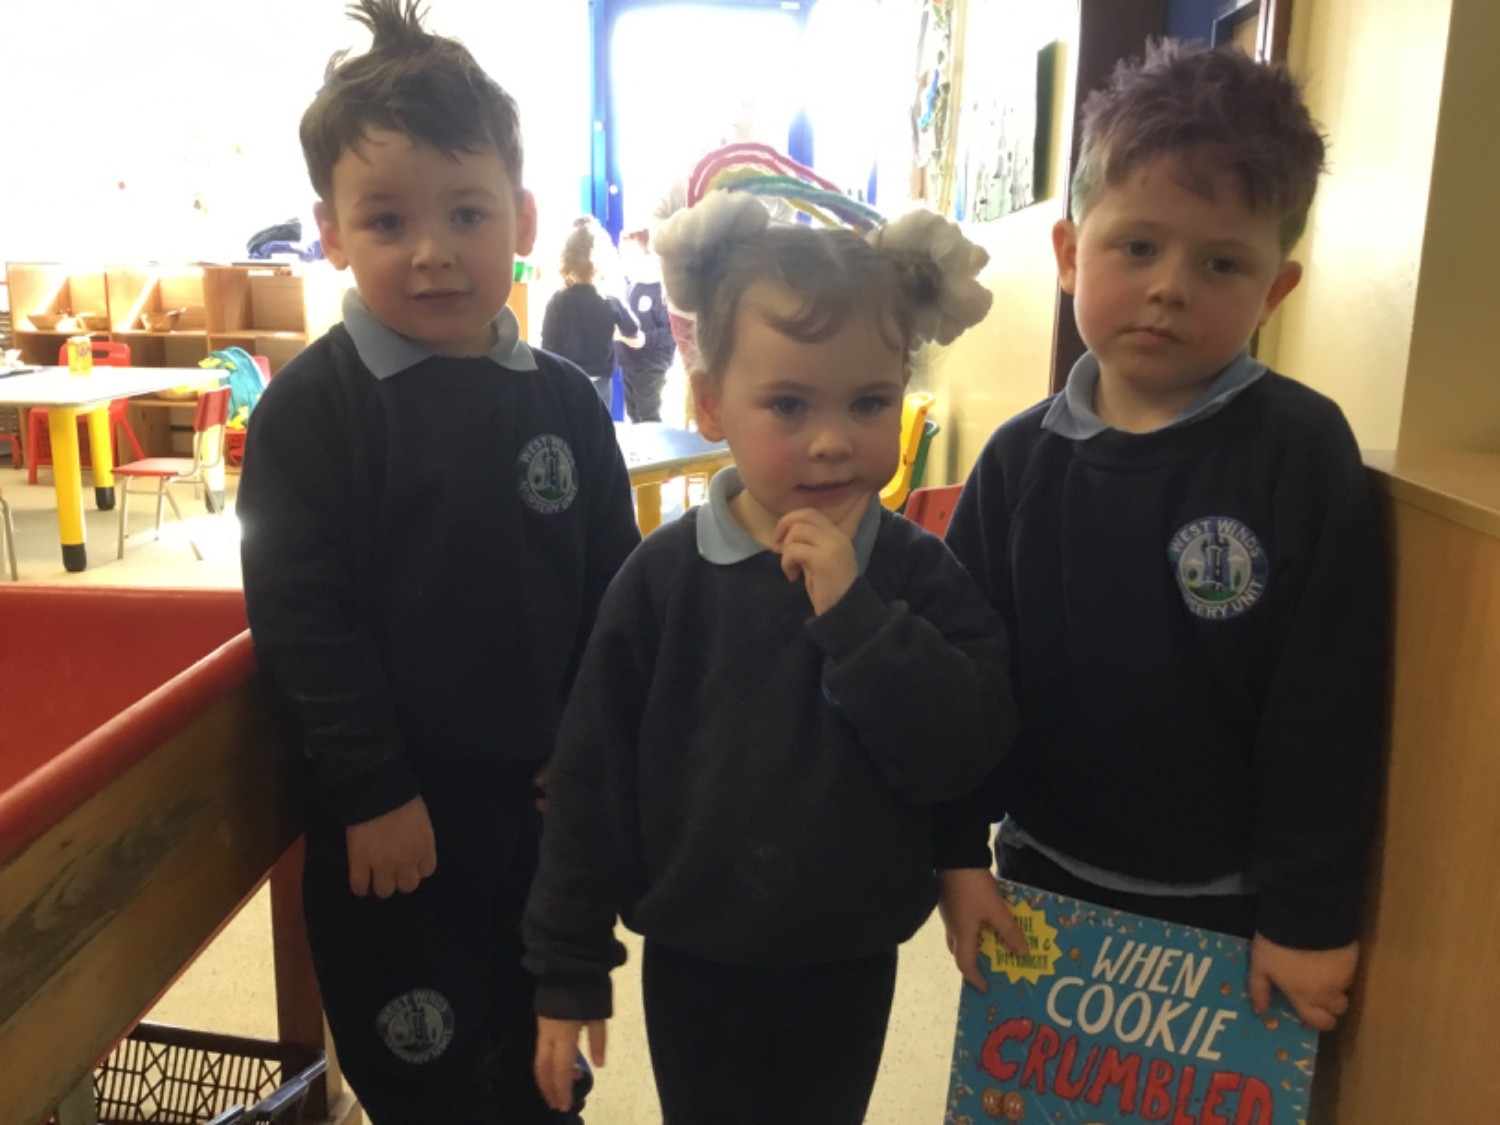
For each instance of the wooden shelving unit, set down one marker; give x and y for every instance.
(52, 288)
(263, 311)
(138, 290)
(271, 309)
(263, 308)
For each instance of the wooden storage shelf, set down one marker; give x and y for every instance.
(136, 292)
(252, 301)
(262, 308)
(269, 309)
(46, 287)
(60, 332)
(177, 334)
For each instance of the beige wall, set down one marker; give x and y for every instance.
(1001, 367)
(1374, 75)
(1452, 392)
(1372, 71)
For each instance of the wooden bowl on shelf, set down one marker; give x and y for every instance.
(94, 322)
(45, 322)
(160, 321)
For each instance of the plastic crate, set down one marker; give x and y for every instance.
(176, 1076)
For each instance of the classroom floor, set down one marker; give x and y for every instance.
(229, 988)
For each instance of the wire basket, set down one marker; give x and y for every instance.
(176, 1076)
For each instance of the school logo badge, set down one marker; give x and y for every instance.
(548, 475)
(1220, 565)
(416, 1026)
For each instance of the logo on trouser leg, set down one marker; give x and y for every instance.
(417, 1026)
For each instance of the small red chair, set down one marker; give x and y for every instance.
(932, 508)
(208, 453)
(39, 445)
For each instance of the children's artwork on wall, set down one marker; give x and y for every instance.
(932, 118)
(1005, 122)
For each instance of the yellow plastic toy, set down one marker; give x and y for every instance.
(914, 408)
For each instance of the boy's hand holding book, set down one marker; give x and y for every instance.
(968, 900)
(1316, 981)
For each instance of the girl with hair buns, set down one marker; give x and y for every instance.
(782, 691)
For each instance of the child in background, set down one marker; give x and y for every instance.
(783, 689)
(581, 324)
(431, 513)
(1183, 547)
(644, 359)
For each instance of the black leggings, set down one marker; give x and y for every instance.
(735, 1046)
(643, 394)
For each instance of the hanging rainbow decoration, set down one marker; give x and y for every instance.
(760, 170)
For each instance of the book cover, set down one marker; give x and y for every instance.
(1113, 1017)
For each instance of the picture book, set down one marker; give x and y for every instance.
(1114, 1017)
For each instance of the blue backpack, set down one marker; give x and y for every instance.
(238, 372)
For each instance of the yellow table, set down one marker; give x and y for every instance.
(68, 396)
(656, 453)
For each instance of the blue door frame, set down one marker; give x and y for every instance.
(604, 168)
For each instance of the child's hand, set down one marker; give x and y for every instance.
(969, 899)
(393, 852)
(556, 1057)
(1316, 981)
(821, 552)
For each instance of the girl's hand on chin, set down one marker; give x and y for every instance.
(820, 552)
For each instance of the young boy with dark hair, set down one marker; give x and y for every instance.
(431, 514)
(1183, 547)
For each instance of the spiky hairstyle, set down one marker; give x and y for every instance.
(410, 81)
(1213, 112)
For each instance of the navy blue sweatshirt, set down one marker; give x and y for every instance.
(1199, 626)
(580, 324)
(650, 311)
(423, 558)
(742, 781)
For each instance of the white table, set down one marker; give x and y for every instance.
(655, 453)
(66, 397)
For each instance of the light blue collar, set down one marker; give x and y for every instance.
(386, 352)
(722, 541)
(1072, 416)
